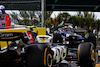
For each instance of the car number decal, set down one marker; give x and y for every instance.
(30, 37)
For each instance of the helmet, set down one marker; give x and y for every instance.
(2, 7)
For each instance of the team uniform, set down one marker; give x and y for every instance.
(4, 18)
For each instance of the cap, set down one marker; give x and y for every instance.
(2, 7)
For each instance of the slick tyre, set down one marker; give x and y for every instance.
(38, 55)
(86, 55)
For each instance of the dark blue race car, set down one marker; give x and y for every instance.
(80, 49)
(68, 37)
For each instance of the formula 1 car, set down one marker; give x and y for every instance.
(79, 49)
(25, 50)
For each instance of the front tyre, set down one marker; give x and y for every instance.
(48, 58)
(86, 54)
(38, 55)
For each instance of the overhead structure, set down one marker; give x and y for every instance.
(53, 5)
(73, 5)
(21, 4)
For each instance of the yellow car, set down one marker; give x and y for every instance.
(4, 44)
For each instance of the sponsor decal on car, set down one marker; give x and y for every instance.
(6, 35)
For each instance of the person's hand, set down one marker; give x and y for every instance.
(21, 43)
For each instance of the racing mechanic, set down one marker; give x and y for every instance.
(89, 37)
(4, 18)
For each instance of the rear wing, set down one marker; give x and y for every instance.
(10, 36)
(6, 38)
(38, 30)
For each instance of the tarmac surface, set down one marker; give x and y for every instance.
(67, 64)
(74, 65)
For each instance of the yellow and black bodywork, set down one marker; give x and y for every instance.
(6, 36)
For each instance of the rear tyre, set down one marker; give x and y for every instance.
(38, 55)
(86, 55)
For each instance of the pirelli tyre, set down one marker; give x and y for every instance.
(38, 55)
(57, 38)
(86, 55)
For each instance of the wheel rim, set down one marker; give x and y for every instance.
(45, 56)
(78, 52)
(49, 60)
(92, 53)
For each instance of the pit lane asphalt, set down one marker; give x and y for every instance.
(67, 64)
(96, 56)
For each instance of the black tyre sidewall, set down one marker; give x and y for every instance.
(84, 50)
(35, 55)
